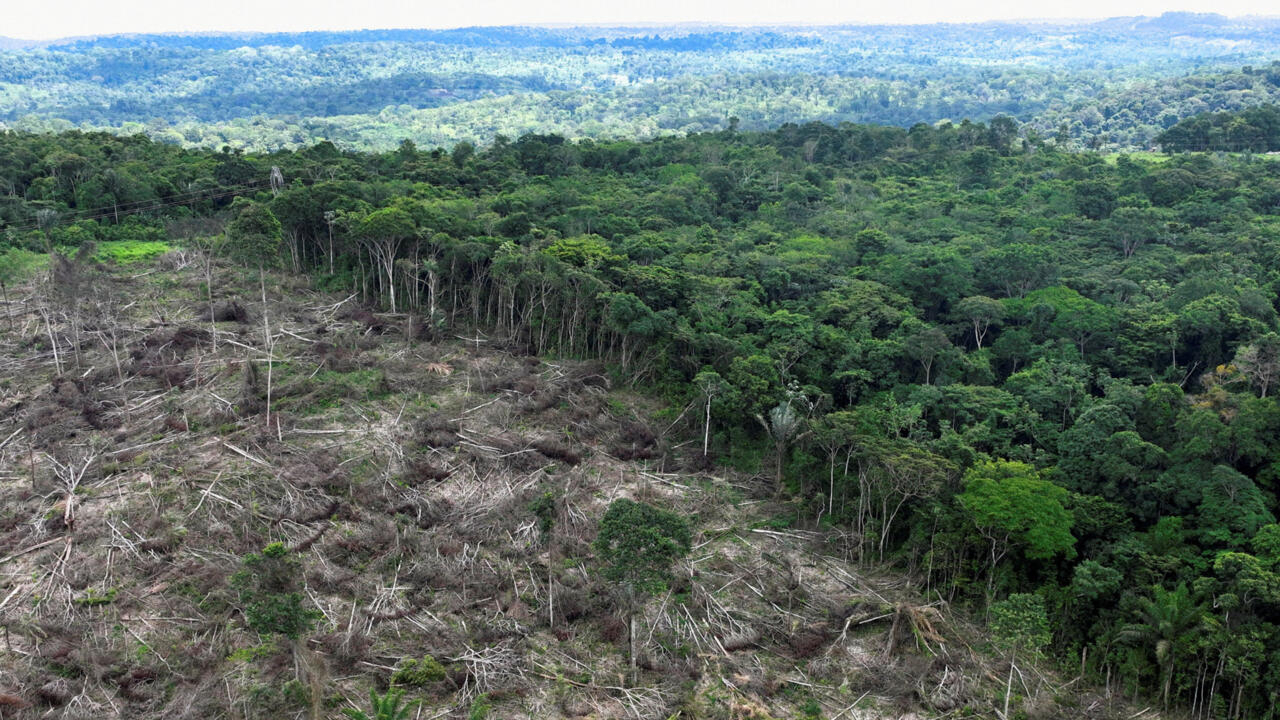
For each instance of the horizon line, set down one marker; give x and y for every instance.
(633, 24)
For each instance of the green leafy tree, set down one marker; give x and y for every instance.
(637, 544)
(1018, 268)
(926, 345)
(631, 320)
(269, 587)
(981, 313)
(1232, 509)
(891, 474)
(756, 383)
(253, 235)
(381, 233)
(1133, 227)
(1064, 313)
(1012, 507)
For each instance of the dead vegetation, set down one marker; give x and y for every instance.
(141, 459)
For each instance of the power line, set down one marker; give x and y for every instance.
(193, 193)
(148, 205)
(163, 199)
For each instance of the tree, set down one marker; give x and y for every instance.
(710, 385)
(253, 235)
(117, 185)
(836, 433)
(1165, 621)
(784, 424)
(755, 381)
(1018, 268)
(269, 588)
(330, 217)
(631, 320)
(546, 508)
(1067, 313)
(1260, 362)
(1232, 508)
(982, 313)
(924, 346)
(47, 219)
(1134, 227)
(1101, 454)
(638, 544)
(462, 152)
(890, 474)
(382, 232)
(1011, 506)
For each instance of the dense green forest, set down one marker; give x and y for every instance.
(997, 366)
(1256, 129)
(1114, 84)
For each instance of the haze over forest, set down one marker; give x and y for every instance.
(1113, 84)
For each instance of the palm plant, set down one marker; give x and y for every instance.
(1164, 619)
(385, 707)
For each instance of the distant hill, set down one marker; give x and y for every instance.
(8, 43)
(1115, 83)
(627, 35)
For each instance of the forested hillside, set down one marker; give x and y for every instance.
(1256, 129)
(1040, 384)
(1111, 84)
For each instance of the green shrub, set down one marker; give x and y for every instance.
(269, 585)
(417, 673)
(480, 708)
(385, 707)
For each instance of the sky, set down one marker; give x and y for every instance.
(48, 19)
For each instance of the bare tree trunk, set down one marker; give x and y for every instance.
(1008, 689)
(57, 361)
(706, 429)
(270, 347)
(631, 643)
(208, 284)
(113, 347)
(551, 581)
(8, 309)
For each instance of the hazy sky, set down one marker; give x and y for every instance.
(44, 19)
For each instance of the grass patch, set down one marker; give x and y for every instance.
(130, 252)
(328, 389)
(1145, 155)
(17, 265)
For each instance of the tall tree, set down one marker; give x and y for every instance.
(1165, 621)
(1012, 507)
(382, 233)
(637, 544)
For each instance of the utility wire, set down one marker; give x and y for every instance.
(148, 205)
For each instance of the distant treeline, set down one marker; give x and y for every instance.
(1111, 85)
(487, 37)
